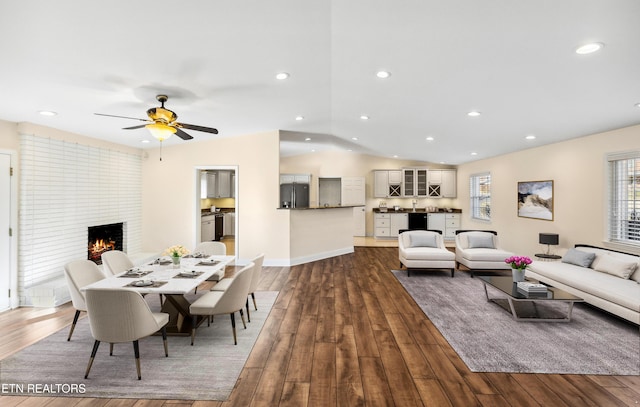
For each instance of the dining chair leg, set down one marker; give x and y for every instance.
(233, 327)
(242, 316)
(164, 341)
(247, 307)
(93, 355)
(73, 325)
(136, 352)
(111, 349)
(194, 321)
(253, 296)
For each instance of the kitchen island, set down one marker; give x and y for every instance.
(319, 232)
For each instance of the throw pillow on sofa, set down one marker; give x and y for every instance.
(578, 258)
(619, 268)
(423, 240)
(481, 241)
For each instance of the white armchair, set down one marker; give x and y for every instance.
(424, 249)
(479, 250)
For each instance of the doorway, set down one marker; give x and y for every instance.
(216, 204)
(8, 245)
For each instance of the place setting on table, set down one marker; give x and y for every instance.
(172, 278)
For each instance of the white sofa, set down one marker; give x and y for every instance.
(611, 282)
(424, 249)
(480, 250)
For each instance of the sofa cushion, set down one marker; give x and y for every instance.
(428, 253)
(496, 255)
(480, 241)
(422, 240)
(578, 258)
(616, 290)
(611, 265)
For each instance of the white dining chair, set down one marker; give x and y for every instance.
(223, 284)
(80, 273)
(229, 301)
(121, 315)
(115, 262)
(211, 248)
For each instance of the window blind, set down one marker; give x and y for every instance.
(480, 195)
(624, 197)
(65, 188)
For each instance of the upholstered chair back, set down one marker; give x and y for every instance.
(235, 296)
(211, 248)
(115, 262)
(80, 273)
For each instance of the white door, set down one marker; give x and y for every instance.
(353, 193)
(5, 225)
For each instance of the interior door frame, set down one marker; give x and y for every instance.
(198, 209)
(13, 239)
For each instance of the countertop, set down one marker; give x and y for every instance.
(323, 207)
(418, 210)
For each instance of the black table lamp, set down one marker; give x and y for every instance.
(548, 239)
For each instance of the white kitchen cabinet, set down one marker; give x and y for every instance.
(212, 188)
(229, 224)
(398, 222)
(297, 178)
(452, 223)
(387, 184)
(448, 223)
(223, 184)
(436, 221)
(414, 183)
(382, 224)
(442, 184)
(208, 228)
(388, 225)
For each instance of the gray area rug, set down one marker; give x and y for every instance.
(206, 371)
(488, 340)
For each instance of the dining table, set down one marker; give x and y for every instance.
(171, 282)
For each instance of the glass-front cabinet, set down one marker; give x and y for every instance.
(414, 182)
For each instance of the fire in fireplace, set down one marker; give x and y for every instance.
(103, 238)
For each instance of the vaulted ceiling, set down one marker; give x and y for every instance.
(512, 61)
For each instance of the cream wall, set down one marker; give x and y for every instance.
(578, 170)
(346, 164)
(171, 194)
(9, 136)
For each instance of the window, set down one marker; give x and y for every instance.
(480, 193)
(624, 197)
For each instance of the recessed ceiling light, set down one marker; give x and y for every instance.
(307, 139)
(282, 76)
(637, 105)
(47, 113)
(145, 141)
(354, 138)
(298, 118)
(429, 138)
(383, 74)
(589, 48)
(442, 162)
(313, 151)
(474, 113)
(474, 153)
(349, 150)
(530, 137)
(364, 117)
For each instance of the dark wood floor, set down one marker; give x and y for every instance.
(343, 333)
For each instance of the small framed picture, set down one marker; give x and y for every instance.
(535, 199)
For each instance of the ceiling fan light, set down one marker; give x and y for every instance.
(160, 131)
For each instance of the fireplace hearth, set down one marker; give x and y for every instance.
(103, 238)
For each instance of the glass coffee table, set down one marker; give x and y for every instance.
(523, 306)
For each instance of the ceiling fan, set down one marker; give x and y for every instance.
(162, 122)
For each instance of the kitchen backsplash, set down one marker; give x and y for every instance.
(218, 203)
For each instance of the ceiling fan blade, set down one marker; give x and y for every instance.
(134, 127)
(182, 134)
(121, 117)
(197, 128)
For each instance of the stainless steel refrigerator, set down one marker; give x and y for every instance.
(294, 195)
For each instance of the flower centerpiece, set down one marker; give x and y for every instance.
(518, 266)
(176, 252)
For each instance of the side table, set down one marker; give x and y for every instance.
(547, 257)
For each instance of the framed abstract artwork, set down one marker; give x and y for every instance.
(535, 199)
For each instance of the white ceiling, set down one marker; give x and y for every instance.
(513, 60)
